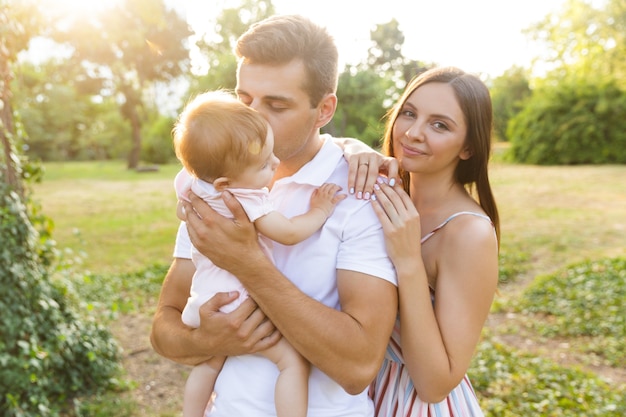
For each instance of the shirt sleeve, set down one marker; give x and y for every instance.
(183, 246)
(363, 246)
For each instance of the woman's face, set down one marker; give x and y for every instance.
(429, 132)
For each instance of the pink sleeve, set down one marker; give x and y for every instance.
(182, 184)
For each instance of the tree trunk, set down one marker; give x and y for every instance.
(130, 111)
(135, 151)
(6, 125)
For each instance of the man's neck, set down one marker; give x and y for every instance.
(290, 166)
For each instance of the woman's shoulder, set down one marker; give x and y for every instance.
(470, 231)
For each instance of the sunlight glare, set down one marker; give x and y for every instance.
(75, 7)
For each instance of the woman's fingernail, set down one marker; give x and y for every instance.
(379, 180)
(373, 197)
(376, 187)
(351, 190)
(359, 195)
(392, 182)
(367, 195)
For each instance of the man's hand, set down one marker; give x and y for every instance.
(226, 242)
(242, 331)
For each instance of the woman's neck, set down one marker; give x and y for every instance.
(434, 194)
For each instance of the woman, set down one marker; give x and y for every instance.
(442, 240)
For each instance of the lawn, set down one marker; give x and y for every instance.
(120, 222)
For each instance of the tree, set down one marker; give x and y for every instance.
(508, 94)
(126, 47)
(18, 24)
(49, 353)
(367, 90)
(361, 107)
(60, 118)
(584, 41)
(385, 57)
(576, 122)
(217, 47)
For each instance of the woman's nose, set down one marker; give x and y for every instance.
(415, 131)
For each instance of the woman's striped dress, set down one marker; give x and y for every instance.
(393, 391)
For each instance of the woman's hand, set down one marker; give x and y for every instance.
(400, 222)
(365, 165)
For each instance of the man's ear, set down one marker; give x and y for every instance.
(327, 108)
(221, 183)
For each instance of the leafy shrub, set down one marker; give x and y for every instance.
(511, 265)
(120, 293)
(585, 299)
(510, 384)
(156, 144)
(579, 122)
(48, 353)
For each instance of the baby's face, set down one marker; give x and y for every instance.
(260, 173)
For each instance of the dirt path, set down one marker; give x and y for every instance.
(160, 382)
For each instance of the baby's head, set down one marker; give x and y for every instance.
(216, 136)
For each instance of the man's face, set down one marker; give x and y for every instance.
(276, 92)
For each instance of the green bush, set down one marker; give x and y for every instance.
(156, 144)
(49, 354)
(510, 384)
(575, 122)
(583, 300)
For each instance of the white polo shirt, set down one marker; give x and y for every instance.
(351, 239)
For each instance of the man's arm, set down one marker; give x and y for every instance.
(245, 330)
(347, 345)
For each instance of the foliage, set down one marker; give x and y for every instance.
(508, 93)
(120, 292)
(509, 384)
(584, 41)
(385, 58)
(585, 299)
(577, 122)
(511, 265)
(126, 47)
(49, 353)
(157, 140)
(60, 118)
(360, 109)
(219, 67)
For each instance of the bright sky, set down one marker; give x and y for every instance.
(479, 36)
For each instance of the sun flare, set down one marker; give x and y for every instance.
(75, 7)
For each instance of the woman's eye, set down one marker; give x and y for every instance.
(440, 126)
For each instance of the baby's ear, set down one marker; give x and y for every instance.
(221, 183)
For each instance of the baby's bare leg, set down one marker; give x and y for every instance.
(200, 385)
(291, 393)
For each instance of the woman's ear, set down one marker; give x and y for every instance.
(221, 183)
(466, 153)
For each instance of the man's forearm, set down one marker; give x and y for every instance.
(347, 345)
(172, 339)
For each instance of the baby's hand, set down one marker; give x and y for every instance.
(326, 198)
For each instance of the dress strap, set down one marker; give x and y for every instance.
(446, 221)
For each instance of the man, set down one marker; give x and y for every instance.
(332, 296)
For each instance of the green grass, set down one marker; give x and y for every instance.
(559, 225)
(121, 219)
(551, 216)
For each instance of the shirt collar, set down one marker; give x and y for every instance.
(317, 171)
